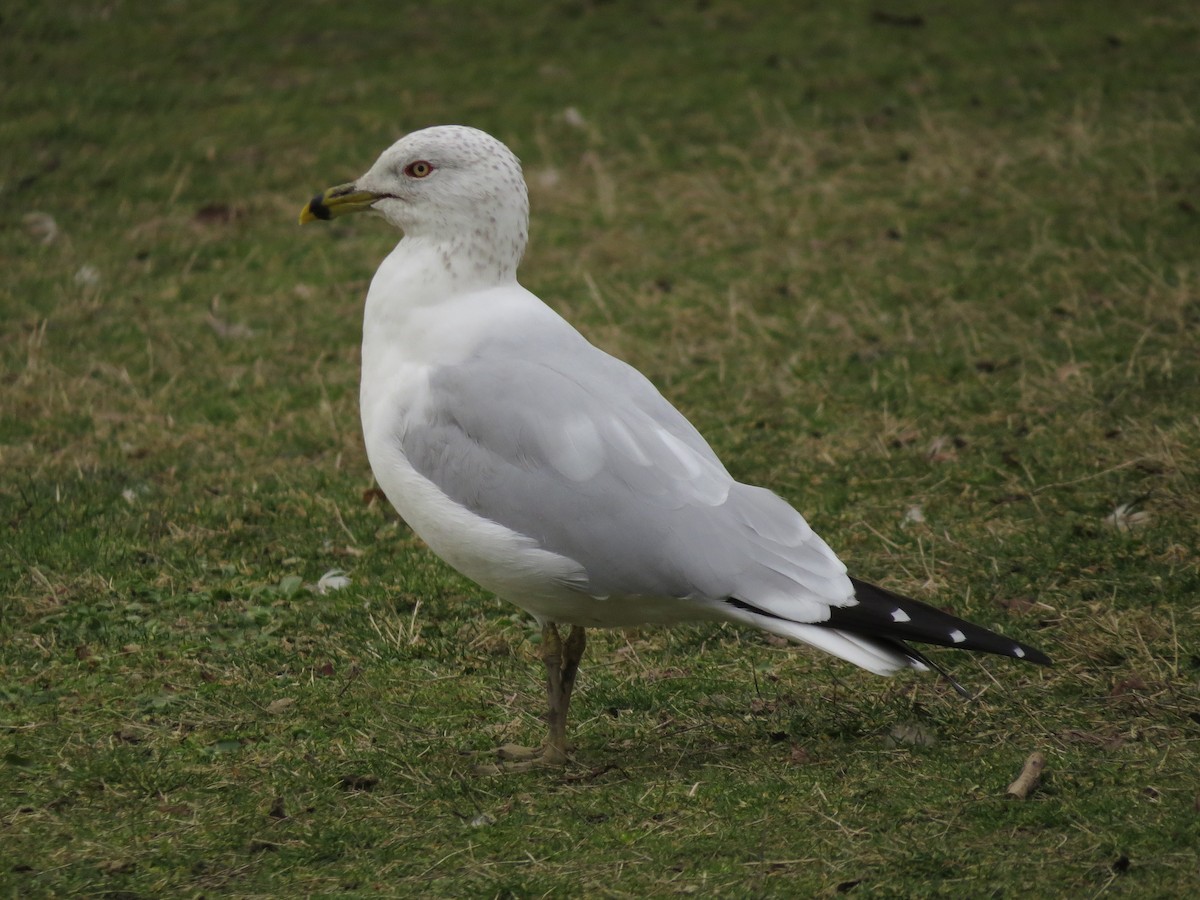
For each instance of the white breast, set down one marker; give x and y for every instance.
(401, 347)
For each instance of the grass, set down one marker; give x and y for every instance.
(935, 259)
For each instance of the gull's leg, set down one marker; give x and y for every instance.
(562, 665)
(561, 659)
(554, 750)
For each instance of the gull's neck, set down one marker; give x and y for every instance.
(423, 271)
(427, 298)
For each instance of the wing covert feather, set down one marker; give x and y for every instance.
(580, 452)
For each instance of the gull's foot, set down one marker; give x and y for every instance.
(509, 759)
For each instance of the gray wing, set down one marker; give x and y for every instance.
(559, 441)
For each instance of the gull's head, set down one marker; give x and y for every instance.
(452, 184)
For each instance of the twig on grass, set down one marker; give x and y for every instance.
(1031, 774)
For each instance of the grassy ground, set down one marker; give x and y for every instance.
(929, 270)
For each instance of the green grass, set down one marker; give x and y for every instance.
(949, 266)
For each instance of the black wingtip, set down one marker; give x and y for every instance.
(917, 657)
(881, 613)
(1030, 654)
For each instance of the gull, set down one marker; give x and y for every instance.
(558, 477)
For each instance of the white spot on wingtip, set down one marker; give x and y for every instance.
(957, 636)
(899, 615)
(1018, 653)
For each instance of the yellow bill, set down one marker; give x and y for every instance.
(337, 201)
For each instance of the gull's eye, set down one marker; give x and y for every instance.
(418, 169)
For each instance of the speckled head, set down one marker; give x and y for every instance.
(453, 185)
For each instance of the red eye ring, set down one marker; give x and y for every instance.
(418, 169)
